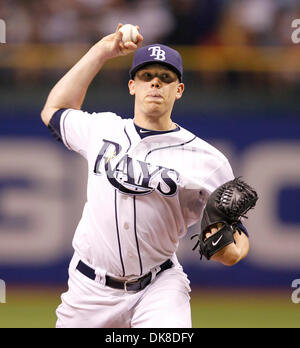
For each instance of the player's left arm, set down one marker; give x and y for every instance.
(223, 237)
(234, 252)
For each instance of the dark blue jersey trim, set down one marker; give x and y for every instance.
(136, 237)
(64, 129)
(118, 234)
(54, 125)
(168, 147)
(143, 132)
(128, 139)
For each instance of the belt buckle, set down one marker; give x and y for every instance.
(137, 281)
(125, 285)
(129, 282)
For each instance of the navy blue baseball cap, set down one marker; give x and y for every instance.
(159, 54)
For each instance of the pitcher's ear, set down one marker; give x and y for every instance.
(180, 89)
(131, 86)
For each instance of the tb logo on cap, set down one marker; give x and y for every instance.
(157, 52)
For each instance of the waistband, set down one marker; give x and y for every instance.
(127, 285)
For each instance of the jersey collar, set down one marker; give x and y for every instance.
(169, 138)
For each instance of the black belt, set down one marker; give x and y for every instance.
(127, 285)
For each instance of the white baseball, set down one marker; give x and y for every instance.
(130, 33)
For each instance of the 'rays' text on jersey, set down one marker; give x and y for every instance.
(133, 176)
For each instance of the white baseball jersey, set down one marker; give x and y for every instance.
(142, 194)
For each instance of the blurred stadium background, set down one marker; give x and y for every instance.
(242, 94)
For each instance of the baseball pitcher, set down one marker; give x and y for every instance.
(149, 179)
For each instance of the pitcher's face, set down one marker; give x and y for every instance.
(155, 88)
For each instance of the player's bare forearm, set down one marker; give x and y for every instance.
(234, 252)
(71, 89)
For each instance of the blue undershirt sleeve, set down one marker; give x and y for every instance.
(242, 228)
(54, 125)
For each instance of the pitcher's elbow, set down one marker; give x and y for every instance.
(46, 114)
(231, 259)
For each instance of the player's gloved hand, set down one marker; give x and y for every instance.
(224, 209)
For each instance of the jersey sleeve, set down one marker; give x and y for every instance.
(219, 176)
(74, 127)
(208, 169)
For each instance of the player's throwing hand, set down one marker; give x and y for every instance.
(113, 45)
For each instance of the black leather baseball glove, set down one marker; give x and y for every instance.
(226, 206)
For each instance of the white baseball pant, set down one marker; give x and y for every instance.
(164, 303)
